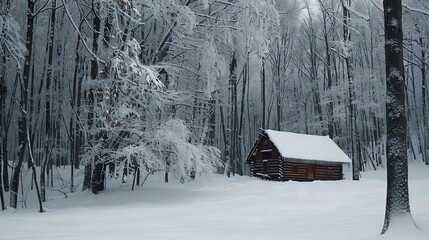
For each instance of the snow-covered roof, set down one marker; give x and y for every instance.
(307, 147)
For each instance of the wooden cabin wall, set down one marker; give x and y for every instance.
(300, 171)
(329, 172)
(271, 169)
(295, 171)
(270, 166)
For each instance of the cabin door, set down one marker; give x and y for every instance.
(310, 170)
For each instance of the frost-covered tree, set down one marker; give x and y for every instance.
(132, 129)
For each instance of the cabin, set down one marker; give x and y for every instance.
(284, 156)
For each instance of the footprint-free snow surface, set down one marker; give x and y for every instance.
(216, 207)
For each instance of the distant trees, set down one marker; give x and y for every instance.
(108, 81)
(416, 67)
(10, 48)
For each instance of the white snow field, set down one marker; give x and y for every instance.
(220, 208)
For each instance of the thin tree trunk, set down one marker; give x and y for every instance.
(425, 138)
(95, 176)
(3, 133)
(3, 206)
(263, 125)
(22, 121)
(75, 104)
(48, 127)
(240, 128)
(350, 77)
(33, 168)
(4, 174)
(329, 78)
(236, 154)
(230, 119)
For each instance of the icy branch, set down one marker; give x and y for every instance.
(359, 14)
(80, 34)
(417, 10)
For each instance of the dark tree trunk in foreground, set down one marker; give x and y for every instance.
(397, 201)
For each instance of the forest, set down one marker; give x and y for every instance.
(126, 88)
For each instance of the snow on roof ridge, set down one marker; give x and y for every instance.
(298, 146)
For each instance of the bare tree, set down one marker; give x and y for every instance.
(22, 122)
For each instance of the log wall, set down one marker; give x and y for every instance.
(329, 172)
(295, 171)
(300, 171)
(270, 167)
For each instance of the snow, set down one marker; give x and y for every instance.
(215, 207)
(308, 147)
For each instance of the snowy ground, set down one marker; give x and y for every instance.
(221, 208)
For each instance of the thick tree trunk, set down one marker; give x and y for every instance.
(397, 201)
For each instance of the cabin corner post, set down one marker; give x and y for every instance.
(252, 167)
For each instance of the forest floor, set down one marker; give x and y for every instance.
(215, 207)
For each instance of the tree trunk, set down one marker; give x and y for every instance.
(425, 138)
(230, 118)
(22, 121)
(240, 141)
(3, 206)
(33, 168)
(350, 77)
(97, 179)
(263, 125)
(4, 174)
(48, 127)
(3, 133)
(397, 201)
(329, 77)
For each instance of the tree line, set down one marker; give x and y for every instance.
(183, 86)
